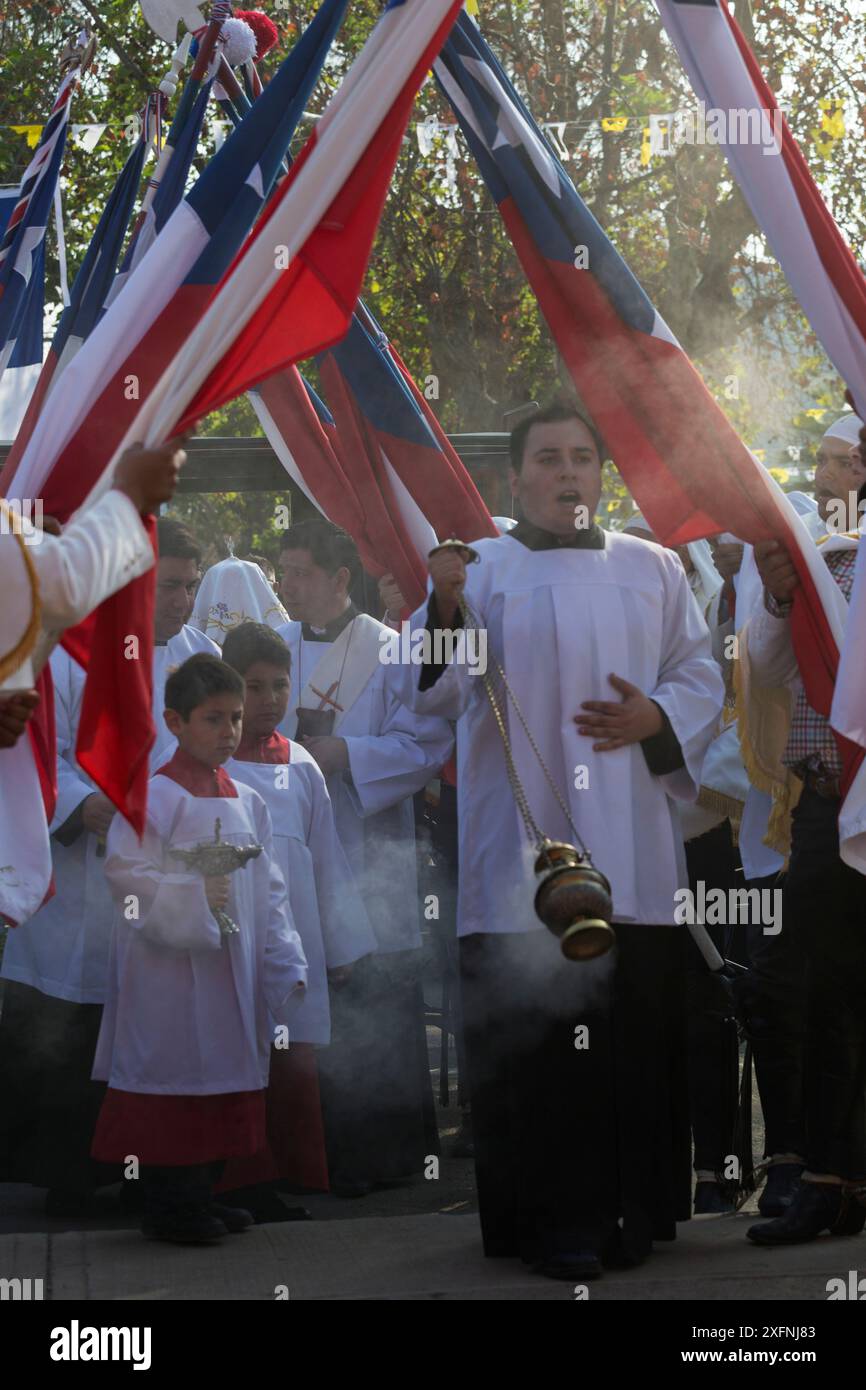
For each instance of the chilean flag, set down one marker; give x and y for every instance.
(680, 458)
(775, 181)
(302, 433)
(414, 486)
(104, 387)
(97, 399)
(166, 188)
(22, 245)
(91, 284)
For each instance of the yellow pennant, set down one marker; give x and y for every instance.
(615, 123)
(32, 132)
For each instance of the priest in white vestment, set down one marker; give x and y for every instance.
(575, 1131)
(376, 755)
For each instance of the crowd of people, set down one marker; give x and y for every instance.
(231, 1008)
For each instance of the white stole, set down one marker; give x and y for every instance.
(350, 675)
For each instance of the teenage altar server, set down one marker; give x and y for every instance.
(56, 964)
(191, 1011)
(324, 898)
(576, 1069)
(375, 755)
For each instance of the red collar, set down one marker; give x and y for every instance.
(273, 749)
(196, 777)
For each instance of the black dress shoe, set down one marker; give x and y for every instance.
(570, 1265)
(62, 1201)
(351, 1187)
(616, 1253)
(235, 1219)
(816, 1207)
(186, 1228)
(783, 1180)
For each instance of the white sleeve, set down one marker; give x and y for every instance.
(395, 763)
(689, 687)
(449, 695)
(72, 786)
(285, 965)
(100, 551)
(169, 909)
(771, 651)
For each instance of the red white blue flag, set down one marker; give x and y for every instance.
(746, 122)
(681, 459)
(415, 485)
(96, 401)
(92, 282)
(22, 245)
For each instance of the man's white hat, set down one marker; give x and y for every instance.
(847, 427)
(235, 592)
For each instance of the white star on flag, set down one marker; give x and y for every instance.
(30, 242)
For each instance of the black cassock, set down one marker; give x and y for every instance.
(574, 1141)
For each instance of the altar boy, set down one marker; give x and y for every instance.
(185, 1037)
(324, 897)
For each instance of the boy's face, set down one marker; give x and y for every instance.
(267, 698)
(213, 730)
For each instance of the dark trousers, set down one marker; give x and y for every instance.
(569, 1139)
(825, 905)
(48, 1103)
(773, 1001)
(713, 1053)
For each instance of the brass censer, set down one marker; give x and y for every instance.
(573, 898)
(212, 859)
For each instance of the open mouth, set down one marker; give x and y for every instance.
(571, 496)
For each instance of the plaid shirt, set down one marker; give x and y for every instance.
(811, 746)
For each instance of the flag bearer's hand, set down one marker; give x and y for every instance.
(149, 476)
(14, 714)
(776, 570)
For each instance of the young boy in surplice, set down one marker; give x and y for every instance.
(191, 1009)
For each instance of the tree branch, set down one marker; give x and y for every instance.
(123, 54)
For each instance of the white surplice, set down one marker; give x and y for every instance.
(190, 1012)
(561, 621)
(63, 949)
(100, 551)
(326, 904)
(393, 753)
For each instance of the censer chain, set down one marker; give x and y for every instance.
(515, 783)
